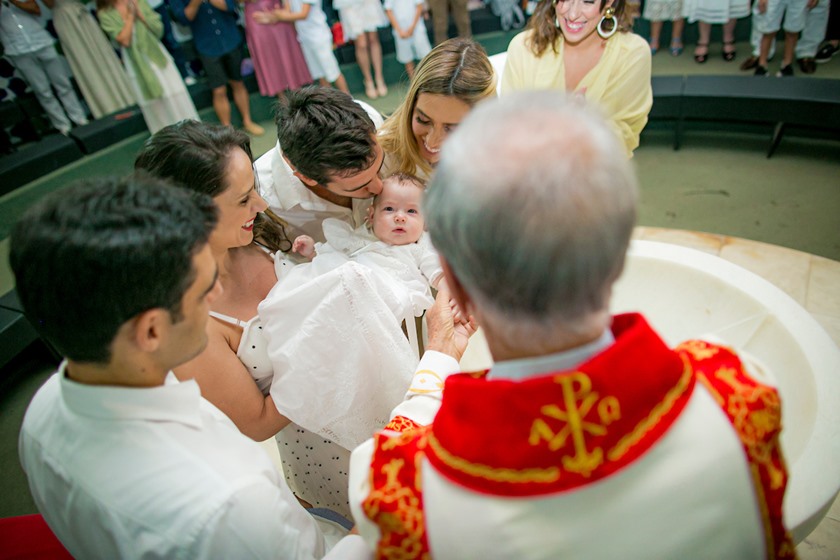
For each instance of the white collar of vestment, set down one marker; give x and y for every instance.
(517, 370)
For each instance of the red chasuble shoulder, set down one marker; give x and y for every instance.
(562, 430)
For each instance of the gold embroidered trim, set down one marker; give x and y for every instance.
(543, 476)
(661, 409)
(421, 378)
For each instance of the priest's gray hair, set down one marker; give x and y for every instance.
(532, 205)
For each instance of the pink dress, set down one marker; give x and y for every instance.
(275, 51)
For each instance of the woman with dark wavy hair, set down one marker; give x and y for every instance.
(217, 161)
(584, 47)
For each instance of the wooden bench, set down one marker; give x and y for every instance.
(16, 332)
(812, 103)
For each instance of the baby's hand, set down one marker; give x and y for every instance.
(304, 246)
(457, 316)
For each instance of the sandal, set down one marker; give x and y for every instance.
(676, 47)
(728, 56)
(701, 58)
(382, 89)
(653, 49)
(370, 90)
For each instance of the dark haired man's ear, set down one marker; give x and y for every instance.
(304, 179)
(149, 329)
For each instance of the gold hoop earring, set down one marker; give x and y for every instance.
(608, 15)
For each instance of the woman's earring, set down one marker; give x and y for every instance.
(608, 15)
(556, 20)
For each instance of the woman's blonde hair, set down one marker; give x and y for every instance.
(544, 30)
(458, 67)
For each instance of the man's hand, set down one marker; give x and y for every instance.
(446, 335)
(762, 6)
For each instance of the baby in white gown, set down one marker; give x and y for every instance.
(393, 241)
(340, 358)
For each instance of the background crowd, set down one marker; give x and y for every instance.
(124, 52)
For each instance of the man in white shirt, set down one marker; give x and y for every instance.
(328, 166)
(122, 460)
(589, 437)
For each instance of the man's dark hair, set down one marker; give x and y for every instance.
(325, 133)
(90, 257)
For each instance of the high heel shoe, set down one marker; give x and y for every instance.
(676, 47)
(653, 49)
(701, 58)
(728, 56)
(370, 90)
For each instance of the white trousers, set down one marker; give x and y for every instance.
(816, 22)
(43, 71)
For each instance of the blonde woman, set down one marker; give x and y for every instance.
(448, 82)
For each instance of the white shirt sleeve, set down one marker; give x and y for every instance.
(421, 404)
(259, 521)
(351, 547)
(422, 399)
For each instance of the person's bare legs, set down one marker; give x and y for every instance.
(655, 32)
(376, 60)
(221, 105)
(341, 84)
(764, 50)
(363, 60)
(729, 40)
(243, 103)
(790, 48)
(677, 27)
(701, 51)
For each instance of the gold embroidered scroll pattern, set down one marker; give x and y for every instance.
(402, 424)
(396, 508)
(699, 349)
(579, 400)
(756, 412)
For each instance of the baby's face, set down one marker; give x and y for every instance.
(396, 218)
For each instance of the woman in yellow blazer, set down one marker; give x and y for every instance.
(584, 47)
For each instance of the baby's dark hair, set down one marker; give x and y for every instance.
(401, 177)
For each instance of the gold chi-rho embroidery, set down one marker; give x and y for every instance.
(575, 413)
